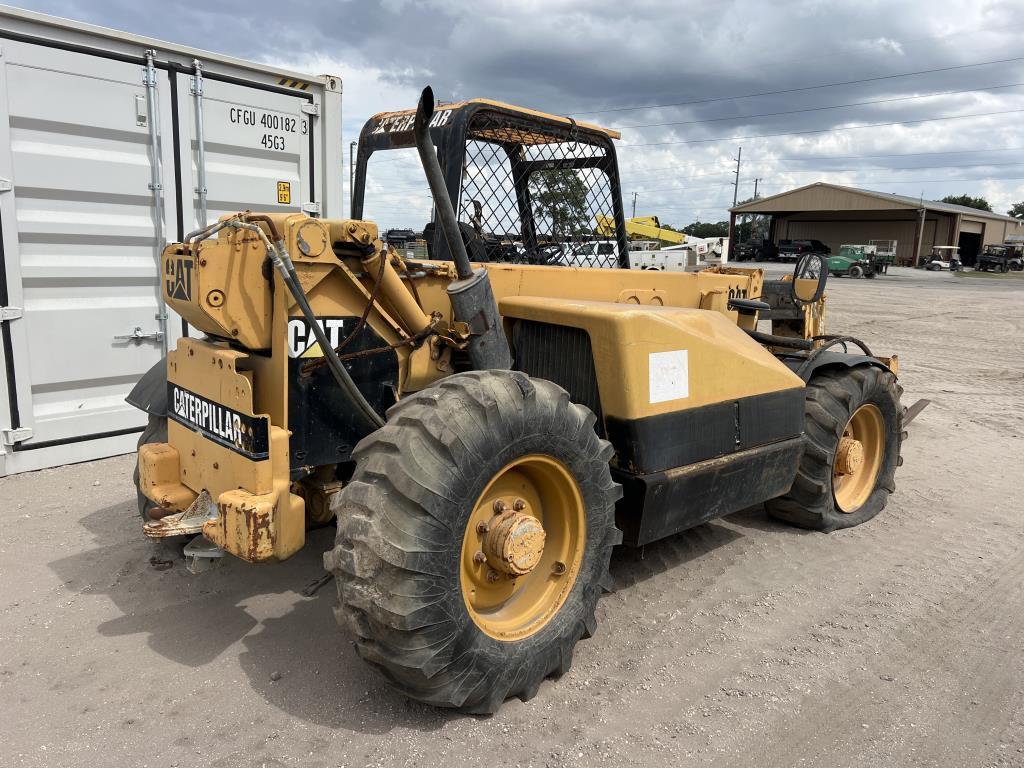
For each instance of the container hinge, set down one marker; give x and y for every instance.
(149, 77)
(311, 109)
(313, 209)
(195, 86)
(6, 185)
(12, 436)
(9, 313)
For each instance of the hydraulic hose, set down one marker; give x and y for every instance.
(793, 342)
(286, 268)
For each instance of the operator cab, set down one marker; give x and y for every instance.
(527, 187)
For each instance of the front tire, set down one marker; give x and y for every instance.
(856, 271)
(853, 431)
(430, 609)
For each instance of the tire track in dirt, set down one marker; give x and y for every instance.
(929, 648)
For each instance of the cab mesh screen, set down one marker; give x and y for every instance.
(537, 194)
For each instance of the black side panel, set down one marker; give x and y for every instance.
(658, 443)
(5, 338)
(324, 428)
(562, 355)
(660, 504)
(150, 392)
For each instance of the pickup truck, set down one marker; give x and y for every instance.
(791, 250)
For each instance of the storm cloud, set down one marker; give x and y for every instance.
(613, 63)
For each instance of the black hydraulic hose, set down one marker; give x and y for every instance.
(283, 263)
(828, 342)
(435, 178)
(831, 341)
(793, 342)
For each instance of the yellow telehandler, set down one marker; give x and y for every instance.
(488, 423)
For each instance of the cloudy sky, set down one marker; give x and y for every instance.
(679, 79)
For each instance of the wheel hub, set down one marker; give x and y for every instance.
(858, 458)
(849, 456)
(514, 542)
(523, 547)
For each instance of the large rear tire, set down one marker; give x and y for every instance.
(853, 430)
(434, 605)
(155, 432)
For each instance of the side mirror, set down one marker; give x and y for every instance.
(809, 277)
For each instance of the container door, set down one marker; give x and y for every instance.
(256, 148)
(80, 253)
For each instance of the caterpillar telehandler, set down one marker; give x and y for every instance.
(487, 424)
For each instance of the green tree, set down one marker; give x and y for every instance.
(971, 202)
(707, 229)
(750, 227)
(1017, 211)
(559, 199)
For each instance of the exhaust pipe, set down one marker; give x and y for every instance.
(471, 296)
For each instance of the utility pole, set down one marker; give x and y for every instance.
(736, 186)
(754, 220)
(634, 205)
(351, 176)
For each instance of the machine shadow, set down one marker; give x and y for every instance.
(300, 661)
(297, 658)
(631, 566)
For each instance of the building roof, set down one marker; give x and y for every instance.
(831, 197)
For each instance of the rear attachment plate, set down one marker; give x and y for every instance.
(187, 523)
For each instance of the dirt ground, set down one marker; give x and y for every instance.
(741, 642)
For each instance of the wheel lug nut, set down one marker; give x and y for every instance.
(499, 506)
(558, 568)
(479, 557)
(519, 505)
(493, 576)
(481, 527)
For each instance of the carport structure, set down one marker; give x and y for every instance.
(836, 215)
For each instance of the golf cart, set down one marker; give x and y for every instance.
(854, 261)
(944, 257)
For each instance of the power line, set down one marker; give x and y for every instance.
(803, 88)
(821, 109)
(846, 170)
(904, 154)
(857, 181)
(792, 158)
(827, 130)
(905, 167)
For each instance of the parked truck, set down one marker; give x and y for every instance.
(855, 260)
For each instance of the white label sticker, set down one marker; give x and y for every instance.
(669, 374)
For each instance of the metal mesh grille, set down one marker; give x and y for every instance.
(536, 194)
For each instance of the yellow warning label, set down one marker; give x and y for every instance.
(284, 193)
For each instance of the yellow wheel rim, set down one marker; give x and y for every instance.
(858, 458)
(523, 547)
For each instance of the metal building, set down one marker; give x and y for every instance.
(836, 214)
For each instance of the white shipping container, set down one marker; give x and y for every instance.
(110, 146)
